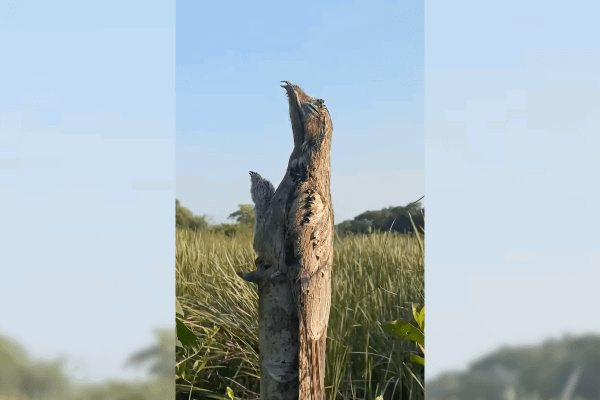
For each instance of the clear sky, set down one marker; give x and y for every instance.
(512, 115)
(87, 156)
(364, 58)
(87, 169)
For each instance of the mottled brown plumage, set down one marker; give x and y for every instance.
(309, 234)
(294, 244)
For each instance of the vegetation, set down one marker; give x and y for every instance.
(557, 369)
(185, 219)
(244, 216)
(376, 278)
(24, 378)
(396, 219)
(406, 330)
(402, 219)
(243, 220)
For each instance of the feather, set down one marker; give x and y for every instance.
(309, 233)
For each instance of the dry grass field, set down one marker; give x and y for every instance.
(375, 279)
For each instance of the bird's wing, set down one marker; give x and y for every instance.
(311, 220)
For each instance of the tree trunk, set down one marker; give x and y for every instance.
(294, 244)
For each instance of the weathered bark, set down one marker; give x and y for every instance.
(294, 245)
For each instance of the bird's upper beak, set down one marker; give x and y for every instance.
(290, 88)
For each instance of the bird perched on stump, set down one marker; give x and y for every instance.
(309, 233)
(294, 235)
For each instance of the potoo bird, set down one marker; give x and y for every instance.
(261, 191)
(308, 233)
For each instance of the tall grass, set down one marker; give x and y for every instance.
(375, 278)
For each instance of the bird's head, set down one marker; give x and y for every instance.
(302, 108)
(296, 94)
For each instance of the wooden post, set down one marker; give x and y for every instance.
(293, 240)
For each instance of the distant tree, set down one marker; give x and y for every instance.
(392, 218)
(545, 369)
(198, 223)
(244, 216)
(24, 377)
(343, 228)
(185, 219)
(227, 229)
(182, 215)
(159, 358)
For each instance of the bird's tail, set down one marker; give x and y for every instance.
(312, 365)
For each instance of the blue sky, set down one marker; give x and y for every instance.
(364, 58)
(87, 169)
(512, 106)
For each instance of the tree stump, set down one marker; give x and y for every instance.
(294, 244)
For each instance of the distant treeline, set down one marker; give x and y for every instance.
(243, 220)
(567, 368)
(185, 219)
(397, 219)
(23, 377)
